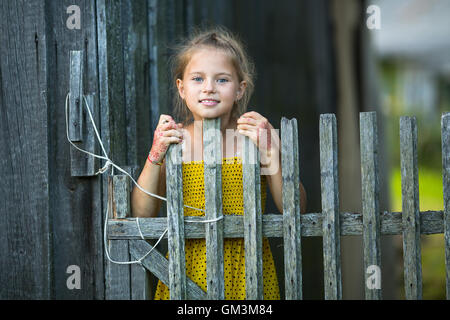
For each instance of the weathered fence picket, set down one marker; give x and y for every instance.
(213, 208)
(118, 275)
(412, 259)
(175, 223)
(370, 201)
(252, 221)
(292, 234)
(330, 224)
(330, 207)
(445, 128)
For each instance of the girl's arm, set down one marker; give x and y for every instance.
(152, 179)
(153, 176)
(275, 181)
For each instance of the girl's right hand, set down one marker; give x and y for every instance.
(166, 132)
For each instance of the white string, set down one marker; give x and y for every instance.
(204, 221)
(139, 228)
(108, 161)
(108, 164)
(142, 236)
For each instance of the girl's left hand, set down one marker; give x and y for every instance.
(260, 131)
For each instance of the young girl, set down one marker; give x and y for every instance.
(214, 79)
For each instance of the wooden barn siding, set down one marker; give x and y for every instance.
(51, 219)
(25, 246)
(76, 201)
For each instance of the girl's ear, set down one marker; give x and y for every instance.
(180, 88)
(241, 90)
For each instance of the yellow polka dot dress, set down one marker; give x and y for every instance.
(234, 253)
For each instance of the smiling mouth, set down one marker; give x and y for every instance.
(209, 102)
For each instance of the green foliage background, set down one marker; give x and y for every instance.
(430, 170)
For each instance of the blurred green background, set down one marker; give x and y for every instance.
(409, 89)
(413, 64)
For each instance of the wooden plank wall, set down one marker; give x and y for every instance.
(26, 240)
(76, 201)
(49, 208)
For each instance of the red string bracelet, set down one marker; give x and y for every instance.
(154, 162)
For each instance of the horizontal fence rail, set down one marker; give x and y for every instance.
(330, 224)
(391, 223)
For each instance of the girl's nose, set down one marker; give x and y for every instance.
(208, 86)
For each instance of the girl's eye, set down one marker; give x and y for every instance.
(198, 79)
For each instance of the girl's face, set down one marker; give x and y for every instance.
(210, 85)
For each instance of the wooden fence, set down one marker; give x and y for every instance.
(331, 224)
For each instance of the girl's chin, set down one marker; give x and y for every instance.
(211, 114)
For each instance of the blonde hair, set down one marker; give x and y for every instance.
(219, 38)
